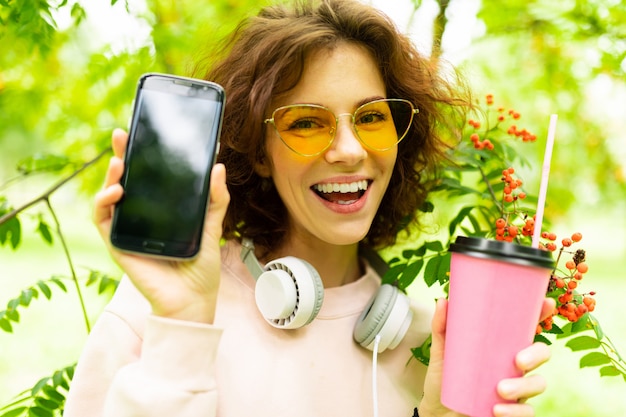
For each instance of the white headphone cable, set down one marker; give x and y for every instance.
(374, 379)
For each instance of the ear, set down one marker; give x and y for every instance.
(263, 168)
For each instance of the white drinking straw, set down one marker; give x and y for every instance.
(545, 173)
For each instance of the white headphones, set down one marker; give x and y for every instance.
(289, 294)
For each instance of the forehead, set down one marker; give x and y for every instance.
(339, 78)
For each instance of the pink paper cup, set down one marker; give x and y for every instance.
(496, 294)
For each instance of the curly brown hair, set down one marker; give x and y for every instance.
(264, 58)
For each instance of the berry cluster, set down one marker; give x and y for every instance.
(570, 304)
(502, 115)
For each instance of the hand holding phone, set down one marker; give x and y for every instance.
(179, 290)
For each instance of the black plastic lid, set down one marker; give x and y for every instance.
(506, 251)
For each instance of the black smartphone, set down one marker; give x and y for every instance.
(172, 146)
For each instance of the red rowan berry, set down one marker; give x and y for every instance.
(582, 267)
(474, 137)
(551, 247)
(559, 283)
(500, 223)
(576, 237)
(478, 145)
(513, 231)
(539, 329)
(522, 195)
(488, 144)
(567, 242)
(552, 236)
(511, 170)
(572, 285)
(500, 118)
(578, 276)
(507, 189)
(508, 198)
(544, 235)
(516, 115)
(570, 265)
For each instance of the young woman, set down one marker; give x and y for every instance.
(330, 126)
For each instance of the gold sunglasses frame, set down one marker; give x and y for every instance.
(414, 111)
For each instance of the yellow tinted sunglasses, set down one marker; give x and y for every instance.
(309, 129)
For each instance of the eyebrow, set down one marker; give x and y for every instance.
(357, 104)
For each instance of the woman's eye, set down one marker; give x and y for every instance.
(304, 124)
(370, 118)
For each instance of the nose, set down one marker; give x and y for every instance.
(346, 147)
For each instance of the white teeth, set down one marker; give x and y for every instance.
(352, 187)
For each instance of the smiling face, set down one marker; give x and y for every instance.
(332, 197)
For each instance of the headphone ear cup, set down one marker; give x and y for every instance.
(389, 314)
(289, 293)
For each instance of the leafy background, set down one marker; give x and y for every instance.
(67, 75)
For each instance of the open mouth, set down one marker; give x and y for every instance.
(341, 193)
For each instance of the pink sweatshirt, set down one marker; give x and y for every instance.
(136, 364)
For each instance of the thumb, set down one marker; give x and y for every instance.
(439, 330)
(431, 402)
(218, 204)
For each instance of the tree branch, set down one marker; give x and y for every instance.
(46, 194)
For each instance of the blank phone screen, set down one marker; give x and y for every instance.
(168, 166)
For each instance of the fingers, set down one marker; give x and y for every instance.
(532, 357)
(111, 192)
(119, 139)
(513, 410)
(547, 310)
(515, 389)
(104, 202)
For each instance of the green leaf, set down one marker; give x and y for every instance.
(27, 296)
(57, 378)
(434, 246)
(427, 207)
(59, 283)
(554, 330)
(541, 338)
(609, 370)
(596, 326)
(69, 371)
(6, 325)
(459, 218)
(11, 231)
(410, 273)
(422, 353)
(53, 394)
(15, 412)
(78, 13)
(594, 359)
(45, 289)
(583, 343)
(430, 272)
(39, 385)
(39, 412)
(42, 163)
(44, 230)
(392, 274)
(13, 315)
(46, 403)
